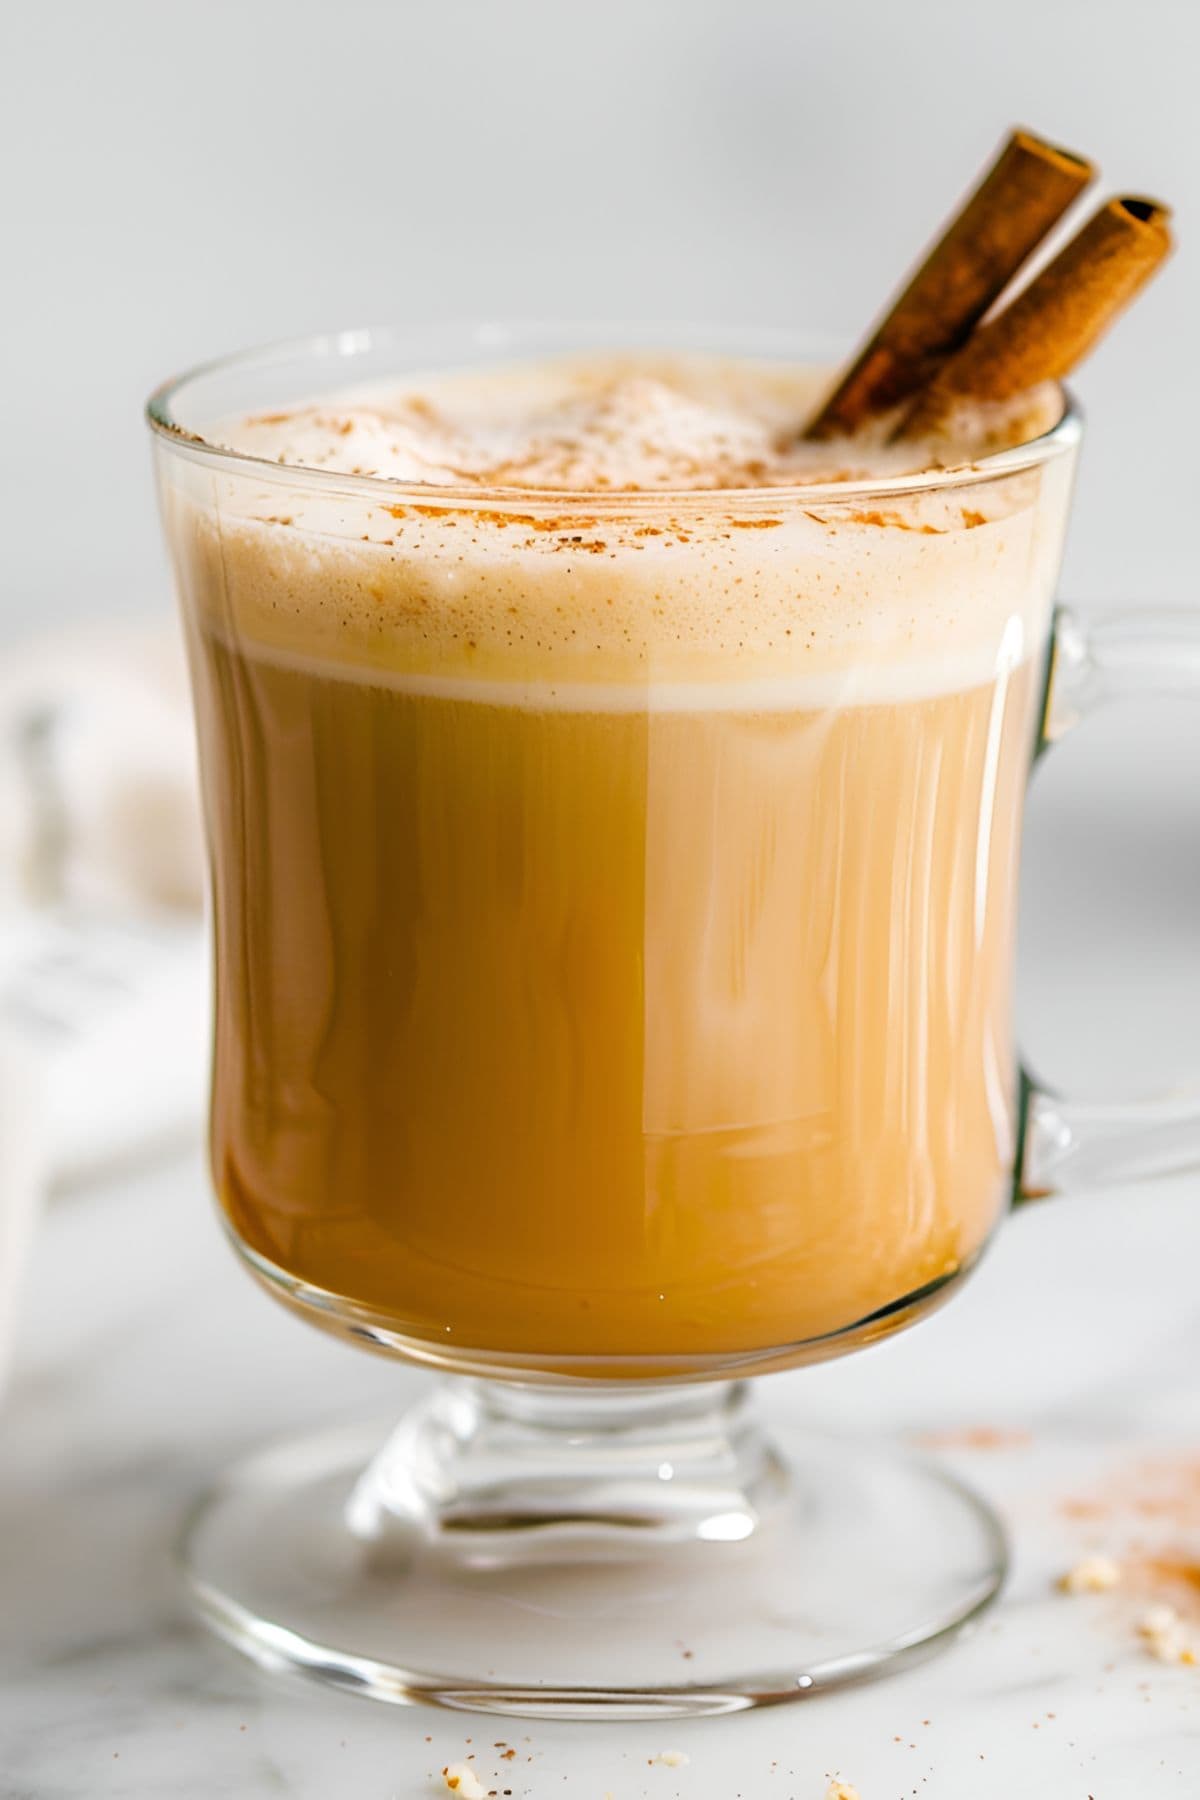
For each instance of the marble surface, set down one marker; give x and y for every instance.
(1062, 1383)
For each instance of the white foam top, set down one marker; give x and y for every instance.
(686, 593)
(597, 424)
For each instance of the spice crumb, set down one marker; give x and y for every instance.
(461, 1779)
(1161, 1631)
(1092, 1575)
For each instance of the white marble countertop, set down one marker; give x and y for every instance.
(1064, 1374)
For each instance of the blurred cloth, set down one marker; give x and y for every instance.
(103, 955)
(98, 773)
(21, 1149)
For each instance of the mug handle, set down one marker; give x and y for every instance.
(1067, 1145)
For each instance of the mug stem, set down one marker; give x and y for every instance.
(497, 1460)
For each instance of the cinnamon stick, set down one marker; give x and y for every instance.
(1053, 323)
(1025, 192)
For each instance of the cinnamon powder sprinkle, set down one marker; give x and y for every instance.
(1158, 1489)
(895, 521)
(976, 1437)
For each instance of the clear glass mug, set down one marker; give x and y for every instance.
(614, 903)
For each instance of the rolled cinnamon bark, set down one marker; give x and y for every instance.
(1053, 323)
(1024, 193)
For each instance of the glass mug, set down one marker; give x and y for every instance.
(614, 905)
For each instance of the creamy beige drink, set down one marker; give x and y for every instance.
(614, 854)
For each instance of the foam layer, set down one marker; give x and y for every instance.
(601, 424)
(626, 587)
(862, 684)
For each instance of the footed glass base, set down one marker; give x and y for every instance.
(621, 1554)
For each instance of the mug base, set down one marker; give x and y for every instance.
(435, 1571)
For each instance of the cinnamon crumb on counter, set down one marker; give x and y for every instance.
(461, 1779)
(976, 1437)
(1092, 1575)
(1162, 1632)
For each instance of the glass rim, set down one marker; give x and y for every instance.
(517, 336)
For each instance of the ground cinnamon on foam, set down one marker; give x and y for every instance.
(604, 424)
(896, 594)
